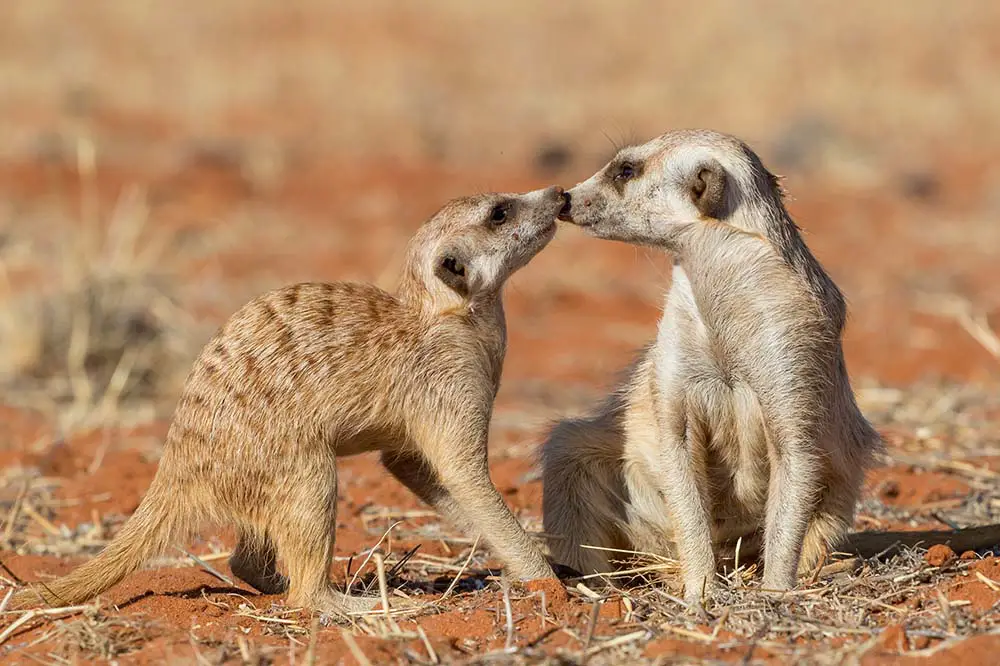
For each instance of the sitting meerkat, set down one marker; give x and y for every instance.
(310, 372)
(739, 421)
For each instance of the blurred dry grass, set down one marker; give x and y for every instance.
(98, 340)
(468, 82)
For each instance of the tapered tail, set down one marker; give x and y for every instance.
(153, 527)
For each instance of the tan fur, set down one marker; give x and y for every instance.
(739, 422)
(310, 372)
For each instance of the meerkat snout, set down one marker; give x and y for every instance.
(565, 213)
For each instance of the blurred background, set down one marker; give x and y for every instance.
(160, 163)
(163, 162)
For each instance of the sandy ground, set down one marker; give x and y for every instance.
(179, 161)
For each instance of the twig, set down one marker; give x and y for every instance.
(615, 642)
(246, 654)
(403, 560)
(427, 644)
(736, 562)
(665, 566)
(688, 633)
(383, 586)
(199, 657)
(347, 588)
(14, 510)
(209, 568)
(465, 565)
(40, 519)
(635, 553)
(510, 616)
(39, 612)
(721, 623)
(6, 600)
(14, 576)
(990, 583)
(352, 645)
(958, 466)
(595, 611)
(975, 325)
(980, 331)
(313, 636)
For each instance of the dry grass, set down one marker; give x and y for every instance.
(98, 340)
(104, 635)
(837, 613)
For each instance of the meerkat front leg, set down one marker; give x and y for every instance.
(414, 472)
(790, 507)
(459, 461)
(681, 447)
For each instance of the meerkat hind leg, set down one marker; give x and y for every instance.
(304, 534)
(829, 526)
(582, 496)
(255, 562)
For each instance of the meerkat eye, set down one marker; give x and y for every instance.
(499, 213)
(452, 265)
(626, 171)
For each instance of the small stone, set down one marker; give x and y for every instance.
(939, 555)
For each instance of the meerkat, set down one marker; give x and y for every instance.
(308, 373)
(738, 423)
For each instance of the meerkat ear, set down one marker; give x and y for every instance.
(707, 187)
(450, 269)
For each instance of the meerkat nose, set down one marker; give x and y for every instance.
(565, 212)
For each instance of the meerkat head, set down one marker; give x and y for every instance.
(646, 193)
(473, 244)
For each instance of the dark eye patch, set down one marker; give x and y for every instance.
(626, 171)
(623, 171)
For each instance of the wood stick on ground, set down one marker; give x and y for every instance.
(383, 585)
(454, 581)
(427, 644)
(42, 612)
(615, 642)
(595, 611)
(209, 568)
(313, 637)
(508, 645)
(6, 600)
(352, 645)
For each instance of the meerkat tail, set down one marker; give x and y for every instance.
(871, 544)
(148, 532)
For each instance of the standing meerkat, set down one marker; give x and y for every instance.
(310, 372)
(739, 421)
